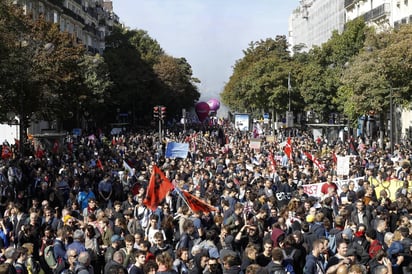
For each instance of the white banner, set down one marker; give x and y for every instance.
(315, 189)
(342, 167)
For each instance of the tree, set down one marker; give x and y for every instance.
(176, 75)
(38, 67)
(319, 73)
(260, 79)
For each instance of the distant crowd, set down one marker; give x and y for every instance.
(79, 209)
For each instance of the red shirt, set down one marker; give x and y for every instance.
(374, 248)
(326, 186)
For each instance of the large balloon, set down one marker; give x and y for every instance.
(214, 104)
(202, 110)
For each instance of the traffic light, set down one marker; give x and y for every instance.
(156, 112)
(163, 112)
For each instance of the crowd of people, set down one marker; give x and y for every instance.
(82, 210)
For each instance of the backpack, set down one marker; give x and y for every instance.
(288, 261)
(49, 257)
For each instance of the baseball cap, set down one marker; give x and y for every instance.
(116, 238)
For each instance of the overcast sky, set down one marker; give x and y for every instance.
(210, 34)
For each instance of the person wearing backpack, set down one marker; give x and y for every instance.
(55, 254)
(275, 266)
(291, 255)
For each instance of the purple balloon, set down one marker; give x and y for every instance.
(214, 104)
(202, 110)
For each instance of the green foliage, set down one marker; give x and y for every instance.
(319, 72)
(144, 76)
(260, 78)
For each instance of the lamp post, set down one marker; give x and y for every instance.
(391, 119)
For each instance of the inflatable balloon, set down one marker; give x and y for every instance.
(214, 104)
(202, 110)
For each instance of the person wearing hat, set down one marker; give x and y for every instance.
(116, 241)
(78, 241)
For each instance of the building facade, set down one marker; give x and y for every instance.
(89, 21)
(313, 22)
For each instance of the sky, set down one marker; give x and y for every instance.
(210, 34)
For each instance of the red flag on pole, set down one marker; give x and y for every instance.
(55, 146)
(196, 204)
(39, 152)
(320, 166)
(272, 162)
(157, 189)
(288, 148)
(99, 164)
(334, 158)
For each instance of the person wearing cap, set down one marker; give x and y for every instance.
(116, 241)
(78, 241)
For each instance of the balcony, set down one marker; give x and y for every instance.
(58, 3)
(73, 15)
(377, 13)
(349, 3)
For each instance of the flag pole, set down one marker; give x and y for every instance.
(184, 199)
(289, 88)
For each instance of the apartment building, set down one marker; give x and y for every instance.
(90, 21)
(313, 21)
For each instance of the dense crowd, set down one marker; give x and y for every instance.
(81, 209)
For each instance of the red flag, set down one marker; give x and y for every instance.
(288, 148)
(196, 204)
(55, 146)
(320, 166)
(99, 164)
(334, 158)
(39, 152)
(157, 189)
(6, 152)
(70, 147)
(17, 143)
(272, 162)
